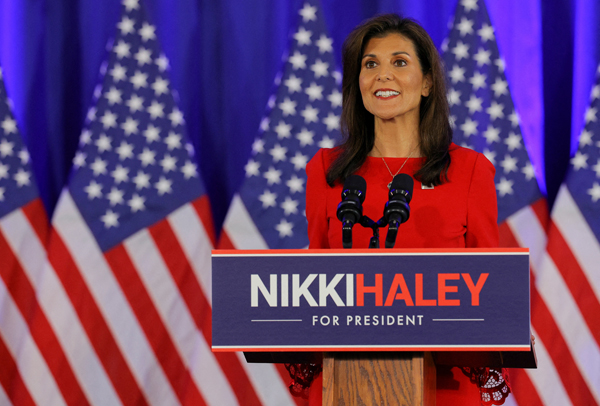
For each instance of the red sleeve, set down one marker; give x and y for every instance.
(316, 202)
(482, 208)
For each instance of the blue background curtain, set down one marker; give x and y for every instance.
(224, 57)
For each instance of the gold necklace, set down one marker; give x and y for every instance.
(388, 168)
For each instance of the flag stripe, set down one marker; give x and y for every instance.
(24, 298)
(202, 207)
(144, 308)
(197, 304)
(36, 214)
(523, 389)
(240, 228)
(11, 380)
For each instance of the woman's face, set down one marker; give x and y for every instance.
(391, 81)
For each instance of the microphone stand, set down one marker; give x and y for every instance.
(366, 222)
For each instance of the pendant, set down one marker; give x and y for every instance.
(389, 185)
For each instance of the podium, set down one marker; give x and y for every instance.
(380, 321)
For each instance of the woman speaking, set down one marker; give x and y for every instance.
(395, 120)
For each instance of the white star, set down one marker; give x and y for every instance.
(595, 92)
(513, 141)
(173, 141)
(303, 36)
(278, 153)
(509, 164)
(109, 120)
(160, 86)
(579, 161)
(103, 143)
(189, 170)
(486, 32)
(288, 107)
(258, 146)
(141, 180)
(469, 5)
(457, 74)
(505, 187)
(3, 171)
(308, 13)
(6, 148)
(335, 98)
(98, 166)
(147, 32)
(284, 228)
(314, 92)
(283, 130)
(9, 126)
(465, 27)
(594, 192)
(125, 150)
(299, 161)
(500, 64)
(273, 176)
(305, 137)
(325, 44)
(152, 134)
(585, 138)
(295, 184)
(115, 196)
(176, 116)
(474, 104)
(126, 26)
(163, 186)
(131, 4)
(264, 124)
(453, 97)
(268, 199)
(495, 110)
(298, 60)
(289, 206)
(162, 62)
(137, 203)
(110, 219)
(528, 171)
(156, 110)
(130, 126)
(332, 122)
(168, 163)
(86, 137)
(147, 157)
(326, 142)
(139, 79)
(22, 177)
(461, 50)
(310, 114)
(143, 56)
(492, 134)
(118, 73)
(78, 160)
(478, 80)
(293, 84)
(93, 190)
(490, 155)
(469, 127)
(122, 50)
(1, 188)
(482, 57)
(500, 87)
(514, 119)
(120, 174)
(596, 168)
(590, 114)
(113, 96)
(252, 168)
(320, 68)
(135, 103)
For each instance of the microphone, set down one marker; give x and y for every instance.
(349, 210)
(397, 210)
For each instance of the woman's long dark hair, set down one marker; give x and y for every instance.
(358, 125)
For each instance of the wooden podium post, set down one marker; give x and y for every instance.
(376, 378)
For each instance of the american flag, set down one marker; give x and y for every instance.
(303, 116)
(126, 286)
(484, 118)
(569, 280)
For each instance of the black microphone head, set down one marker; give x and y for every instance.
(402, 183)
(357, 185)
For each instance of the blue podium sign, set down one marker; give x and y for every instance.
(371, 300)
